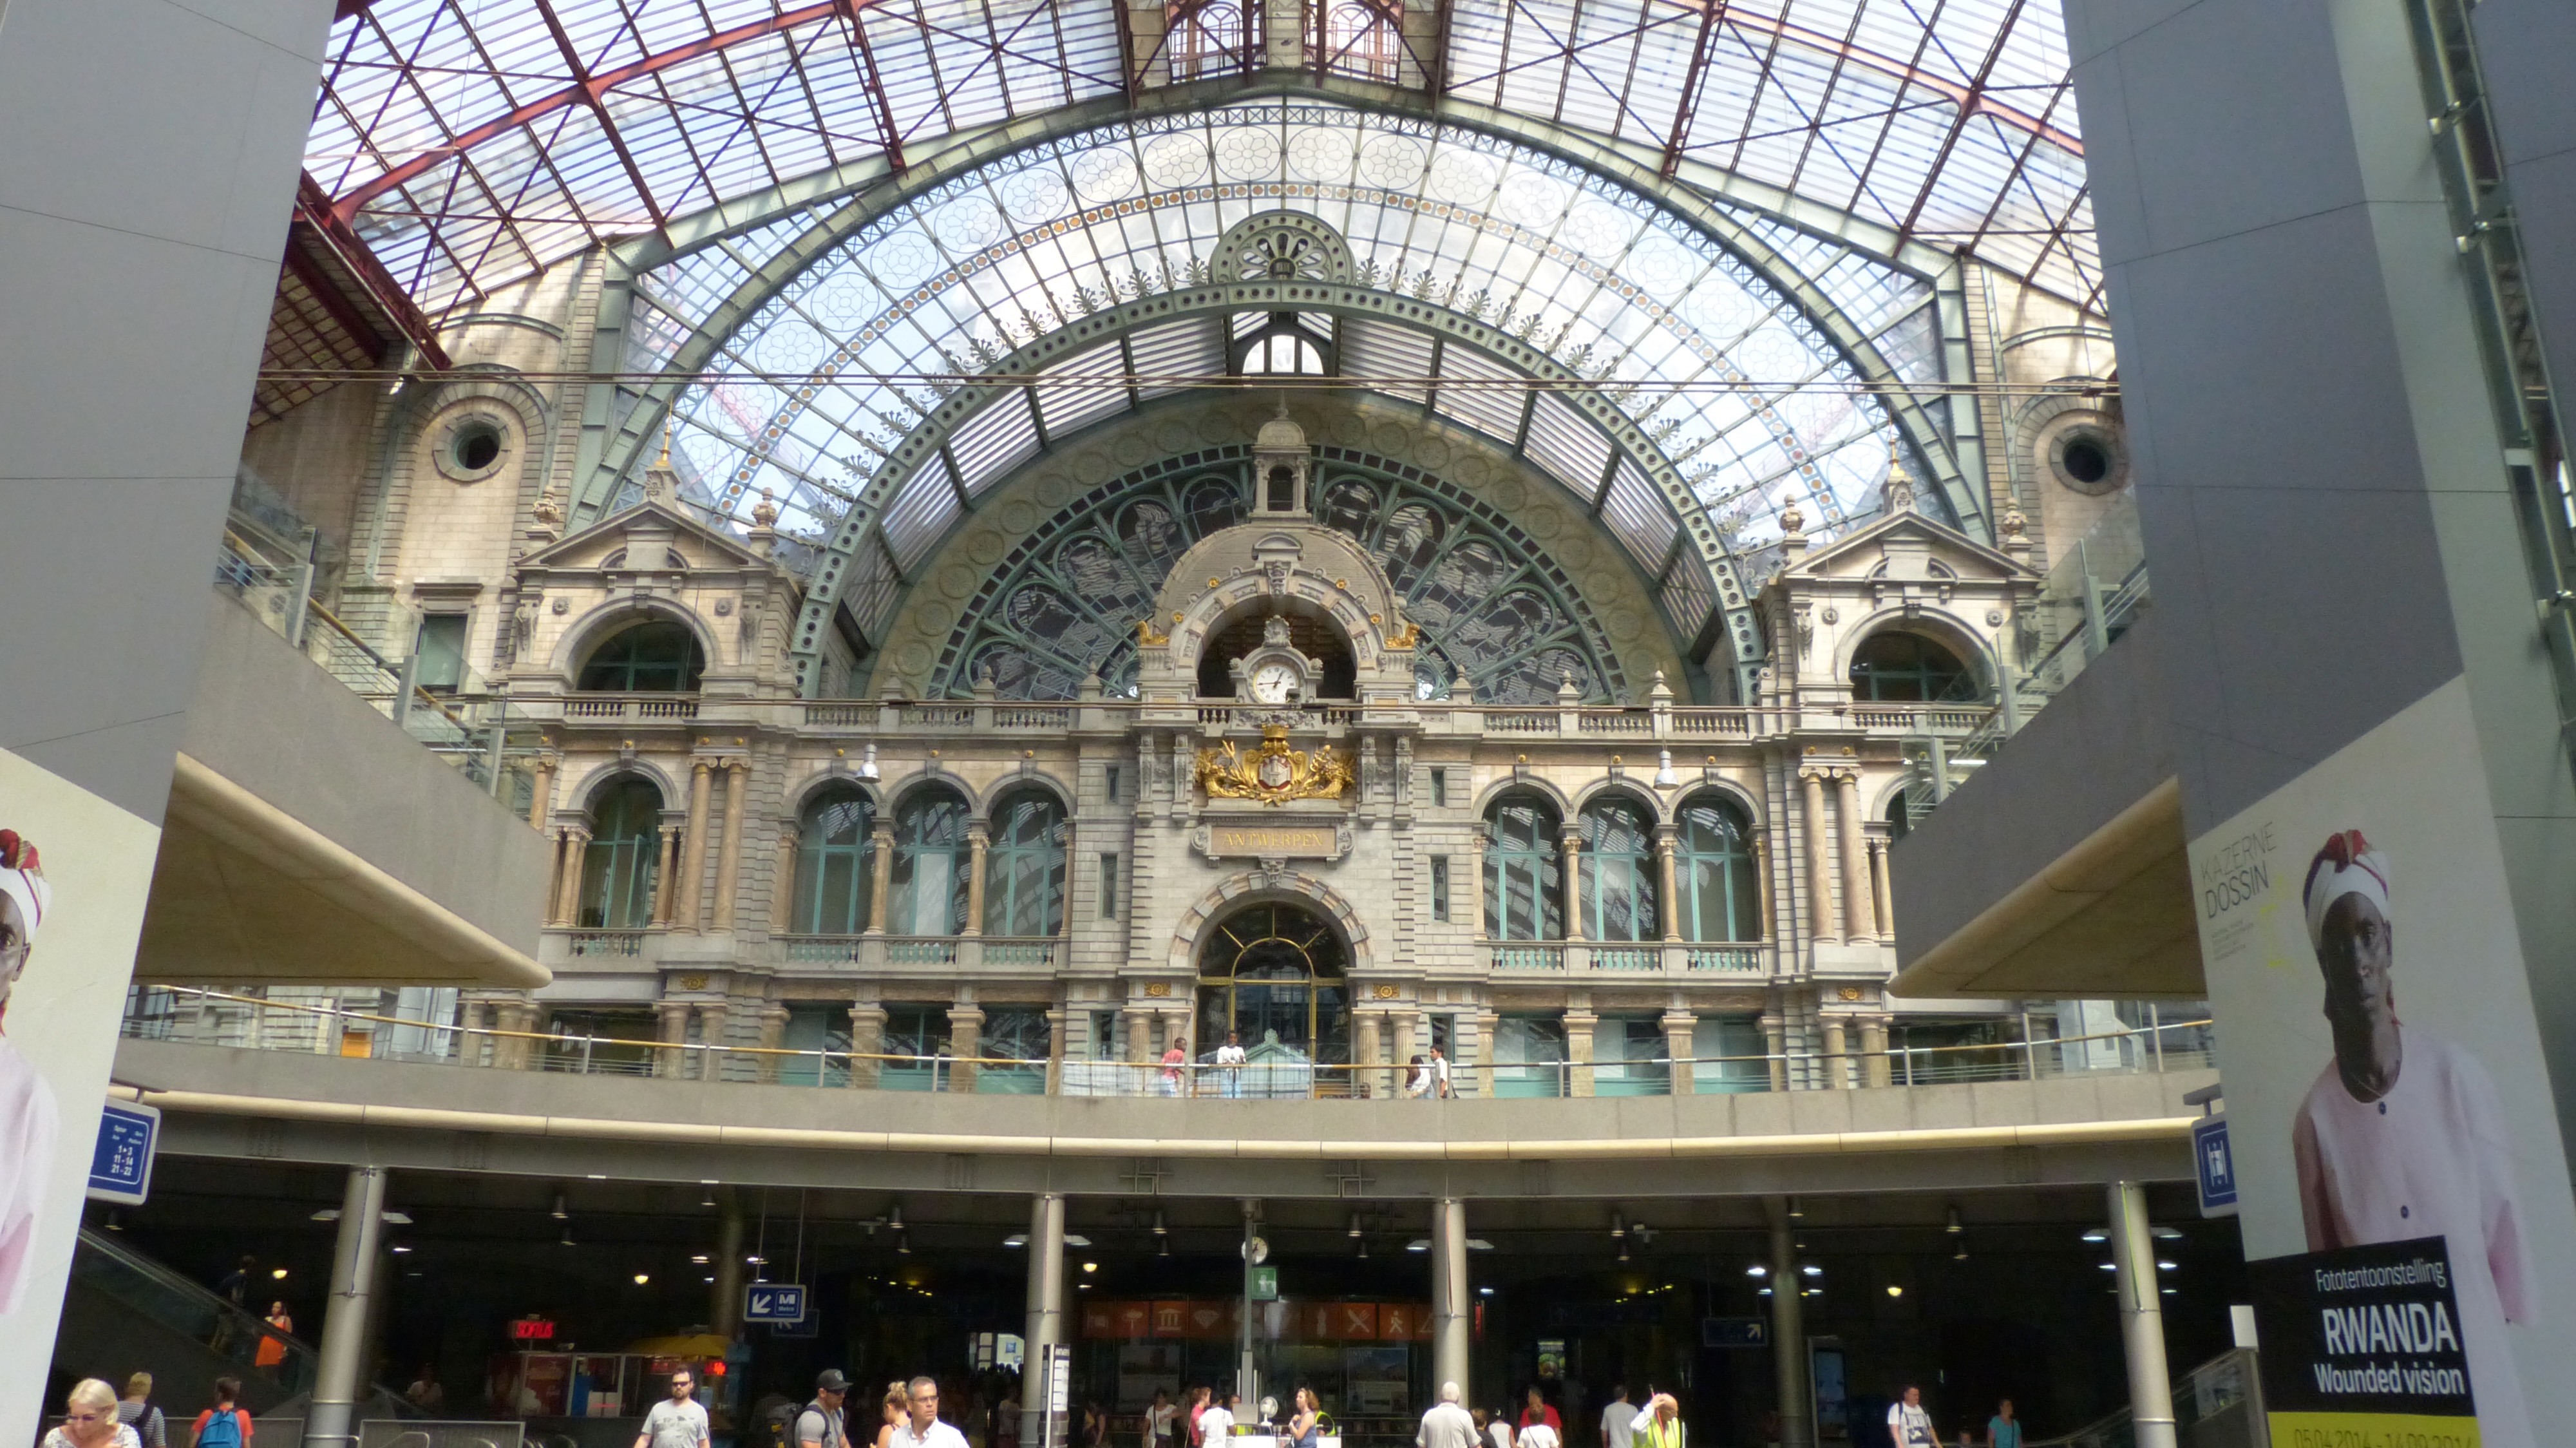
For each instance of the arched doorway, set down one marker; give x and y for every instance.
(1273, 974)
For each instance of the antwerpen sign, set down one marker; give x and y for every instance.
(1273, 838)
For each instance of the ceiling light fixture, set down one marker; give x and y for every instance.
(1016, 1239)
(700, 1259)
(1090, 1266)
(399, 1247)
(1355, 1225)
(279, 1275)
(566, 1238)
(1796, 1211)
(1665, 778)
(1812, 1270)
(642, 1278)
(395, 1219)
(2098, 1234)
(1953, 1227)
(1161, 1228)
(1076, 1239)
(1163, 1248)
(894, 1217)
(1757, 1270)
(1618, 1227)
(559, 1214)
(1895, 1291)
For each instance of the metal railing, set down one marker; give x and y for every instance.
(243, 1341)
(1626, 957)
(252, 1023)
(2218, 1404)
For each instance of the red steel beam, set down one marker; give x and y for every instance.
(313, 207)
(327, 294)
(591, 95)
(1688, 110)
(886, 126)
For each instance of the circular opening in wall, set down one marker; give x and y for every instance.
(2086, 462)
(477, 447)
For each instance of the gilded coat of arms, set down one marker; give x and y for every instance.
(1275, 774)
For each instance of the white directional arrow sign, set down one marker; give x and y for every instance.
(774, 1302)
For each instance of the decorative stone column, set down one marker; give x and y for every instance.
(773, 1032)
(1140, 1035)
(672, 1019)
(541, 797)
(965, 1043)
(558, 913)
(693, 849)
(881, 877)
(1874, 1066)
(1820, 885)
(1836, 1077)
(666, 874)
(1775, 1044)
(1578, 1050)
(1057, 1019)
(1570, 850)
(729, 852)
(1488, 1027)
(714, 1014)
(1668, 898)
(1371, 1031)
(1767, 926)
(1681, 1042)
(867, 1041)
(1858, 927)
(1881, 888)
(979, 843)
(782, 880)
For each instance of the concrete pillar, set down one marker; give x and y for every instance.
(782, 880)
(1668, 899)
(1372, 1081)
(1140, 1035)
(965, 1042)
(1775, 1042)
(1836, 1077)
(2142, 1315)
(693, 849)
(1874, 1066)
(541, 796)
(1046, 1308)
(1762, 883)
(1681, 1033)
(673, 1020)
(1058, 1019)
(1858, 926)
(1450, 1296)
(867, 1039)
(341, 1371)
(1881, 891)
(773, 1031)
(1488, 1025)
(979, 843)
(880, 878)
(1789, 1334)
(666, 877)
(724, 1305)
(574, 846)
(1570, 852)
(712, 1060)
(1820, 887)
(729, 851)
(1578, 1051)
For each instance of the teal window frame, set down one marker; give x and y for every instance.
(1528, 1056)
(1524, 871)
(822, 1029)
(1021, 1033)
(917, 1031)
(618, 868)
(1894, 666)
(930, 852)
(1737, 1035)
(1024, 866)
(1713, 871)
(439, 649)
(1637, 1062)
(835, 863)
(656, 656)
(1617, 867)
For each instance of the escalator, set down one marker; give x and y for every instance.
(125, 1312)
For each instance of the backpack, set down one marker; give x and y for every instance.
(223, 1430)
(782, 1425)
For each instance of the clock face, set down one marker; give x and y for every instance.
(1272, 681)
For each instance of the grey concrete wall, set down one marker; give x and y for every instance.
(2099, 747)
(272, 721)
(144, 195)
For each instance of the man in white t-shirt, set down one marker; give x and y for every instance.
(1618, 1418)
(1229, 1065)
(1908, 1426)
(29, 1119)
(1216, 1420)
(677, 1421)
(1446, 1425)
(921, 1427)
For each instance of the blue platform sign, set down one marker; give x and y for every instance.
(1734, 1332)
(773, 1302)
(120, 1167)
(2215, 1166)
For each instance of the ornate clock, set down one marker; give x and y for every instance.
(1274, 675)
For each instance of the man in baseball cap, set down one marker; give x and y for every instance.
(820, 1425)
(29, 1120)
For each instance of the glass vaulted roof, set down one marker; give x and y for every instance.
(1717, 363)
(472, 142)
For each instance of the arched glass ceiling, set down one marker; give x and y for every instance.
(1612, 285)
(471, 143)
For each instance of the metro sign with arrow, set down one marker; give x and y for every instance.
(776, 1302)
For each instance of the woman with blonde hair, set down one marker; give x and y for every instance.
(89, 1420)
(896, 1407)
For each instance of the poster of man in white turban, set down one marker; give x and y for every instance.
(29, 1119)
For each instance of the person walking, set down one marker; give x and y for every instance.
(2003, 1430)
(921, 1426)
(1908, 1426)
(1618, 1418)
(272, 1345)
(1537, 1413)
(226, 1424)
(1176, 1063)
(1159, 1418)
(678, 1421)
(1417, 1077)
(1445, 1424)
(1216, 1424)
(1660, 1425)
(89, 1419)
(1304, 1419)
(135, 1411)
(892, 1408)
(1440, 1074)
(821, 1425)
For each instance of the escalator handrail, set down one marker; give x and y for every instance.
(189, 1289)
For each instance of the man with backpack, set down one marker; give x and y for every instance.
(223, 1425)
(820, 1426)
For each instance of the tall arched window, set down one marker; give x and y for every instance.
(1618, 872)
(930, 859)
(659, 657)
(1713, 871)
(1024, 867)
(833, 872)
(617, 871)
(1522, 881)
(1904, 668)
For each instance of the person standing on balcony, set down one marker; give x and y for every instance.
(29, 1119)
(1230, 1061)
(1440, 1074)
(1176, 1063)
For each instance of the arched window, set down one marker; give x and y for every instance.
(1904, 668)
(1713, 871)
(1359, 39)
(660, 657)
(1522, 882)
(930, 859)
(617, 871)
(1205, 38)
(834, 874)
(1618, 871)
(1024, 866)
